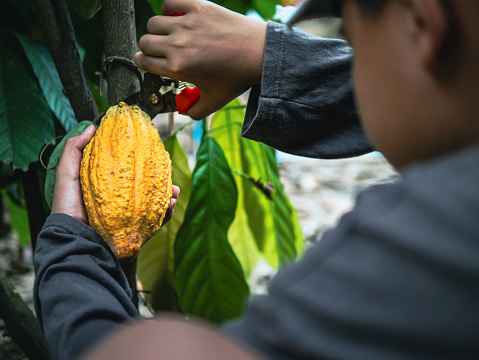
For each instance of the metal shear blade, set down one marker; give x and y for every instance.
(150, 98)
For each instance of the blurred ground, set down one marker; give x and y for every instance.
(17, 264)
(323, 190)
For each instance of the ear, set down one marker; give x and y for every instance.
(428, 24)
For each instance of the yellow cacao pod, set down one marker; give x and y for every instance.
(126, 180)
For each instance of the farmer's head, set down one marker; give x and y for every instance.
(415, 73)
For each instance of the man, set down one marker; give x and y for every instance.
(397, 278)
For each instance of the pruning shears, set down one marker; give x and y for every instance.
(180, 97)
(157, 94)
(162, 95)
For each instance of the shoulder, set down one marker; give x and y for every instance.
(445, 188)
(430, 214)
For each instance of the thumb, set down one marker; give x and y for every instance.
(73, 151)
(84, 137)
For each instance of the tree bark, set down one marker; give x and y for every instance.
(57, 27)
(120, 40)
(21, 323)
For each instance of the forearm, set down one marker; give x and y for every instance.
(304, 104)
(80, 292)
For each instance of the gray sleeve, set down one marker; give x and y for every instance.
(396, 279)
(304, 104)
(80, 292)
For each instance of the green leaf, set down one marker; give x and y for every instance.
(26, 123)
(155, 6)
(18, 217)
(49, 80)
(208, 276)
(55, 159)
(287, 229)
(266, 8)
(260, 209)
(236, 5)
(286, 242)
(156, 260)
(274, 224)
(86, 9)
(226, 130)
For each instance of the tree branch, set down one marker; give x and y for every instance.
(120, 40)
(57, 27)
(21, 323)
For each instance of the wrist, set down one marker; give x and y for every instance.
(254, 52)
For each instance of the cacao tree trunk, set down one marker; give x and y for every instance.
(122, 79)
(120, 41)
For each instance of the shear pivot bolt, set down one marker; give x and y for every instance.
(154, 99)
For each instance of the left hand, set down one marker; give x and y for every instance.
(67, 194)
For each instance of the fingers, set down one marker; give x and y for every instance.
(153, 64)
(161, 25)
(175, 192)
(171, 209)
(211, 101)
(198, 111)
(153, 45)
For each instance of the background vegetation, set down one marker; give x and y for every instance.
(233, 209)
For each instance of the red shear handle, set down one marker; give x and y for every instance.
(188, 97)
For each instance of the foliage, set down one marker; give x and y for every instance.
(86, 9)
(229, 221)
(208, 276)
(26, 123)
(232, 210)
(156, 259)
(18, 212)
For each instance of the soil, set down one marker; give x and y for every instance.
(320, 190)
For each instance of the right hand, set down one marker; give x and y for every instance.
(218, 50)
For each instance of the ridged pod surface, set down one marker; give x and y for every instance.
(126, 180)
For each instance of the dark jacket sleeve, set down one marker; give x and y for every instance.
(304, 105)
(80, 292)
